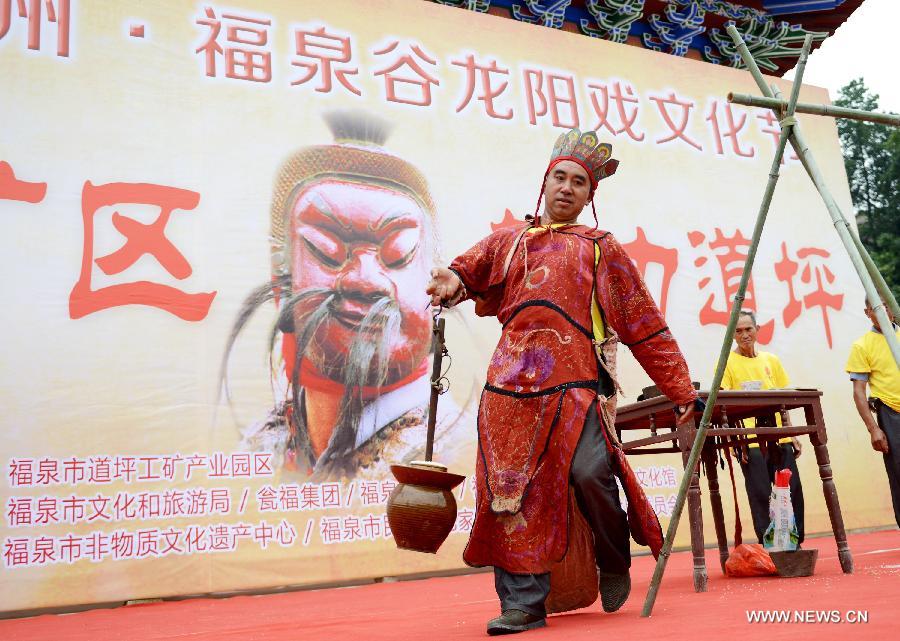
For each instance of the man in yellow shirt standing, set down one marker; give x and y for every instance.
(871, 363)
(750, 369)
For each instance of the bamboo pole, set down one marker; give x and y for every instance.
(892, 120)
(837, 217)
(700, 437)
(884, 291)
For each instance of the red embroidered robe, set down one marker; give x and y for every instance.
(543, 377)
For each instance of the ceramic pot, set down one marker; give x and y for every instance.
(422, 509)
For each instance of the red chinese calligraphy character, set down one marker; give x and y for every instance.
(11, 188)
(148, 542)
(195, 539)
(74, 470)
(48, 471)
(170, 541)
(267, 498)
(140, 239)
(368, 493)
(627, 115)
(643, 253)
(509, 221)
(19, 511)
(47, 510)
(417, 80)
(148, 474)
(813, 278)
(350, 529)
(220, 538)
(286, 534)
(731, 255)
(149, 504)
(73, 508)
(464, 520)
(240, 63)
(15, 552)
(262, 534)
(678, 131)
(44, 551)
(488, 91)
(197, 501)
(262, 464)
(122, 544)
(100, 470)
(240, 465)
(785, 269)
(32, 11)
(330, 529)
(770, 121)
(168, 466)
(387, 487)
(731, 132)
(331, 495)
(288, 497)
(220, 500)
(96, 546)
(310, 496)
(124, 507)
(125, 468)
(99, 505)
(173, 503)
(559, 92)
(21, 472)
(328, 50)
(70, 548)
(371, 527)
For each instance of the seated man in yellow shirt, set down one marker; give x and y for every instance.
(750, 369)
(871, 363)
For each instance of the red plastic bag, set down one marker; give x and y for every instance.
(749, 559)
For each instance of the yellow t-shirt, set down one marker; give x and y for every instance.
(762, 372)
(871, 355)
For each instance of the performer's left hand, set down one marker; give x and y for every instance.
(685, 414)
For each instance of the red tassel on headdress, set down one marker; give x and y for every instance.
(594, 208)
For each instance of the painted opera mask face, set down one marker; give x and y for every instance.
(370, 246)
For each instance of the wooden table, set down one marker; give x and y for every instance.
(656, 416)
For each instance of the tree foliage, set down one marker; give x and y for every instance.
(872, 160)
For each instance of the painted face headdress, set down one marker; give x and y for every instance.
(585, 149)
(357, 155)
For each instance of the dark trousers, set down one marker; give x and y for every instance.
(597, 494)
(889, 422)
(759, 475)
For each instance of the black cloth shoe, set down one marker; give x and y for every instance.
(614, 590)
(512, 621)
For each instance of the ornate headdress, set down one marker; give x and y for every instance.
(595, 158)
(357, 155)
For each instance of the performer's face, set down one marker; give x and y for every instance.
(566, 190)
(745, 333)
(366, 243)
(874, 319)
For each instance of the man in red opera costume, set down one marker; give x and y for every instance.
(353, 240)
(547, 455)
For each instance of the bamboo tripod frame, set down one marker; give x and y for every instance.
(877, 290)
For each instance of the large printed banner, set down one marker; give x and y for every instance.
(218, 218)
